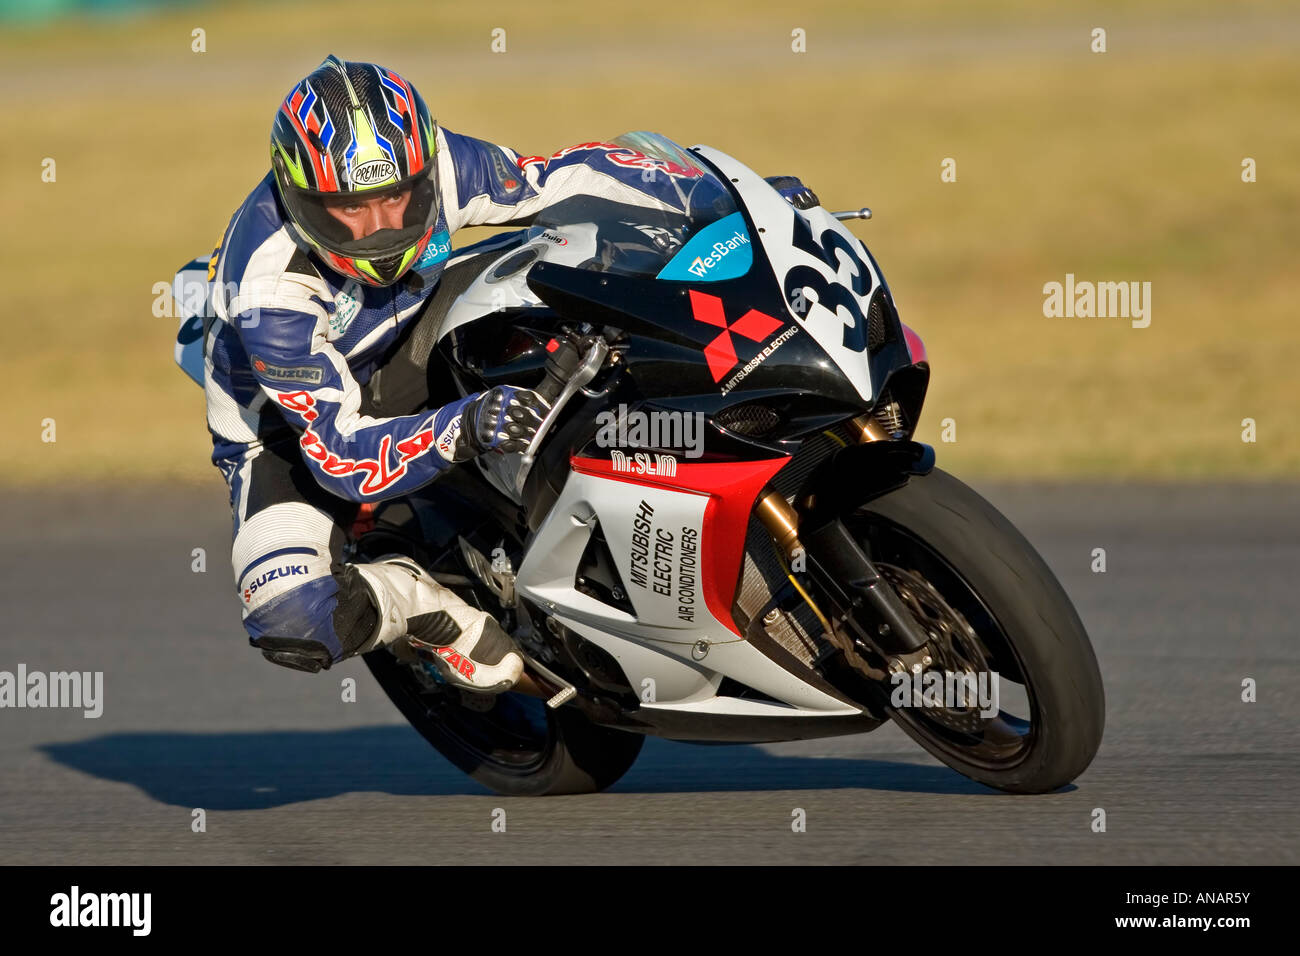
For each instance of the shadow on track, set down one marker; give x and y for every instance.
(249, 771)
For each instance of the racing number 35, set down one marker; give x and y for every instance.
(830, 293)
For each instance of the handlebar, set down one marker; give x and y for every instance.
(562, 361)
(571, 370)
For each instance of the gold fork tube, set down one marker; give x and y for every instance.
(781, 521)
(868, 429)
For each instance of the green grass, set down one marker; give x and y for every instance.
(1122, 166)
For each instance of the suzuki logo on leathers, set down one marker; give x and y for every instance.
(721, 352)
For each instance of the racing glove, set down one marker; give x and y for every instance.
(503, 418)
(794, 191)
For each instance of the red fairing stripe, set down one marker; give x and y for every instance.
(915, 347)
(732, 488)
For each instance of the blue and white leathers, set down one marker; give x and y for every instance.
(294, 343)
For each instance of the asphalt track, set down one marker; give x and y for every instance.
(1200, 592)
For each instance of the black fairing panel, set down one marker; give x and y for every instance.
(666, 339)
(707, 347)
(501, 348)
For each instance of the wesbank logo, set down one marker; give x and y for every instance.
(721, 250)
(439, 248)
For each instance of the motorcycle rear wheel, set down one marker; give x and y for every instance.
(511, 743)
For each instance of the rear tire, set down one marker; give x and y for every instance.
(511, 743)
(936, 521)
(517, 746)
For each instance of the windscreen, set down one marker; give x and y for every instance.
(643, 234)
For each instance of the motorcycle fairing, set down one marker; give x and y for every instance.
(687, 659)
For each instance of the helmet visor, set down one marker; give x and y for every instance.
(369, 223)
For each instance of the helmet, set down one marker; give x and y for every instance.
(357, 130)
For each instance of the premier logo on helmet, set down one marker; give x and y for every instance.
(373, 172)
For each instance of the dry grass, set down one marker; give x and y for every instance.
(1123, 166)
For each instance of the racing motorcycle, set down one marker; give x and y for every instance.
(723, 531)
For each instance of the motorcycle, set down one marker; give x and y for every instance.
(723, 531)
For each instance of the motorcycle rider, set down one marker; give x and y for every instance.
(317, 281)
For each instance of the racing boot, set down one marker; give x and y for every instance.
(467, 646)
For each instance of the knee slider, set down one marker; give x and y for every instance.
(296, 628)
(302, 654)
(315, 624)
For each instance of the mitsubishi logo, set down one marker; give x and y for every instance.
(721, 352)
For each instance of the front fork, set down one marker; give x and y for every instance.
(863, 605)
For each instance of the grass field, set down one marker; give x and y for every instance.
(1122, 166)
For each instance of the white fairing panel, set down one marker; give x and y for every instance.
(673, 650)
(570, 246)
(486, 294)
(673, 641)
(774, 218)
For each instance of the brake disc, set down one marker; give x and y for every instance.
(954, 647)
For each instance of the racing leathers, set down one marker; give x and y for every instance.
(287, 364)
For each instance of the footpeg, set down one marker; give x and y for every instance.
(563, 697)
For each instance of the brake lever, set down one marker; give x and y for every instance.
(592, 362)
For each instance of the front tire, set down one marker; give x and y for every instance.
(935, 532)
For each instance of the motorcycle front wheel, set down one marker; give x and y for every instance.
(991, 605)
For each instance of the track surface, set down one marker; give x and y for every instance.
(1200, 592)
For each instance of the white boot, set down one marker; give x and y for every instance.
(467, 645)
